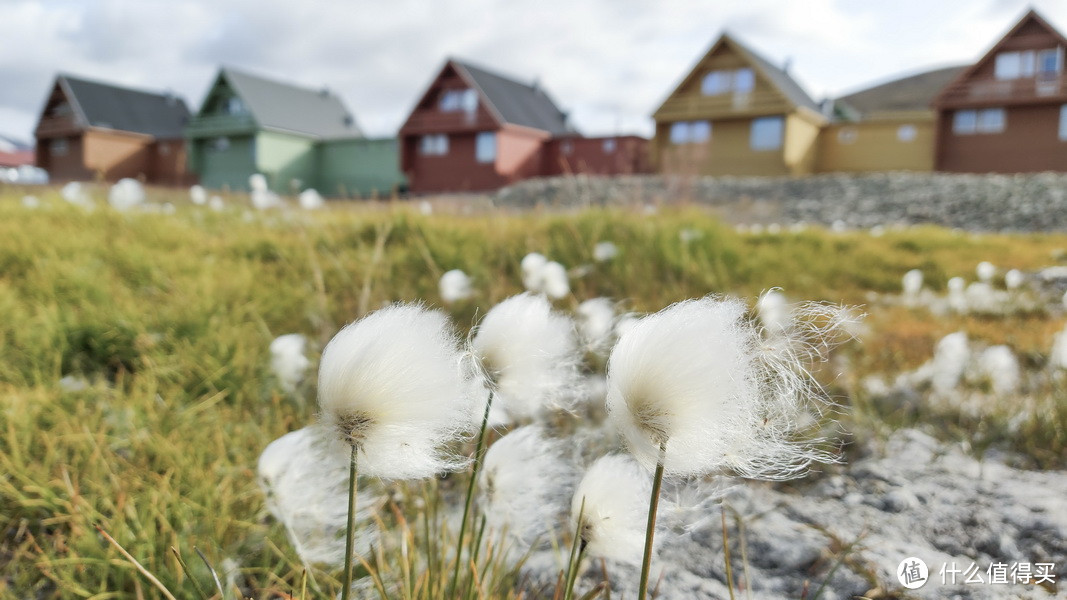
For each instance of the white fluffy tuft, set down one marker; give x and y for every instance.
(392, 384)
(523, 483)
(912, 282)
(454, 286)
(985, 271)
(698, 376)
(310, 199)
(1014, 279)
(605, 251)
(532, 265)
(198, 195)
(555, 281)
(615, 491)
(528, 356)
(773, 311)
(596, 324)
(126, 194)
(287, 360)
(998, 366)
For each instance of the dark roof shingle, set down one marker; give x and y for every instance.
(282, 106)
(161, 115)
(517, 103)
(914, 92)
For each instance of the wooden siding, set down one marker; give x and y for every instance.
(456, 171)
(1029, 143)
(800, 144)
(874, 145)
(729, 152)
(113, 155)
(590, 156)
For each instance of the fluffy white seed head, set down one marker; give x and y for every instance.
(310, 199)
(76, 194)
(1058, 356)
(528, 355)
(257, 182)
(126, 194)
(773, 311)
(596, 320)
(265, 199)
(198, 195)
(392, 385)
(615, 491)
(605, 251)
(554, 280)
(948, 363)
(523, 484)
(30, 202)
(216, 204)
(454, 286)
(1014, 279)
(698, 377)
(956, 285)
(532, 266)
(999, 367)
(306, 489)
(985, 271)
(287, 360)
(912, 282)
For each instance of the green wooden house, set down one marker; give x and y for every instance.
(297, 137)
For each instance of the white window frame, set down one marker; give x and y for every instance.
(485, 147)
(434, 144)
(756, 133)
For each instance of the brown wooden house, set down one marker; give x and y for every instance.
(475, 130)
(90, 130)
(1007, 113)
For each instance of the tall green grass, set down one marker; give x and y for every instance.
(168, 319)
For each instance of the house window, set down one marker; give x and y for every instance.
(609, 146)
(458, 100)
(1048, 62)
(1013, 65)
(744, 81)
(1063, 122)
(434, 145)
(62, 109)
(965, 121)
(906, 133)
(766, 133)
(718, 82)
(221, 144)
(234, 106)
(690, 132)
(988, 120)
(164, 149)
(484, 147)
(59, 147)
(847, 135)
(567, 148)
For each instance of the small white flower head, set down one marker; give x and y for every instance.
(306, 489)
(287, 360)
(528, 355)
(985, 271)
(30, 202)
(912, 282)
(625, 323)
(773, 311)
(198, 195)
(265, 199)
(257, 182)
(554, 280)
(615, 491)
(126, 194)
(605, 251)
(454, 286)
(1014, 279)
(949, 362)
(216, 204)
(699, 378)
(310, 199)
(957, 297)
(532, 266)
(391, 384)
(689, 235)
(999, 367)
(76, 194)
(425, 208)
(523, 483)
(1058, 357)
(956, 285)
(596, 320)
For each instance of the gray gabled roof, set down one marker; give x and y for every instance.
(161, 115)
(290, 108)
(778, 76)
(913, 92)
(515, 102)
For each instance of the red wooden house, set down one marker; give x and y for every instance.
(1007, 113)
(474, 130)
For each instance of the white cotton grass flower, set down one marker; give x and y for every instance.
(216, 204)
(288, 361)
(1014, 279)
(76, 194)
(946, 368)
(306, 489)
(528, 355)
(523, 483)
(455, 285)
(257, 182)
(126, 194)
(391, 385)
(554, 280)
(912, 282)
(310, 199)
(1058, 356)
(265, 199)
(596, 320)
(198, 195)
(999, 367)
(605, 251)
(532, 266)
(957, 297)
(698, 377)
(985, 271)
(615, 491)
(30, 202)
(773, 311)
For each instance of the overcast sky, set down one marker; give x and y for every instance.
(608, 62)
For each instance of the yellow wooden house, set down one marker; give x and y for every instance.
(885, 127)
(736, 113)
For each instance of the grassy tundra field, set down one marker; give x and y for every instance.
(163, 323)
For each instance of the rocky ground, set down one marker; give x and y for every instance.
(1035, 202)
(844, 534)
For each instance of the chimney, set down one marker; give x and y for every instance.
(787, 64)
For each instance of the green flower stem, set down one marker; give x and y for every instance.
(470, 494)
(350, 530)
(650, 530)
